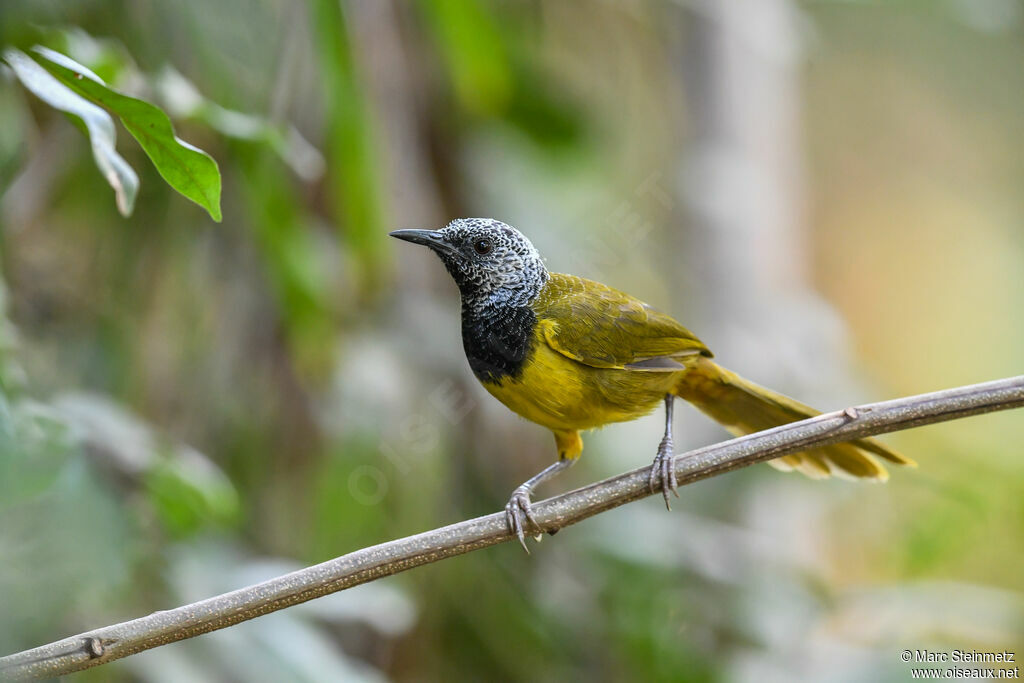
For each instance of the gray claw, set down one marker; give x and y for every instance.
(517, 510)
(663, 472)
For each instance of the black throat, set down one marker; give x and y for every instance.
(497, 339)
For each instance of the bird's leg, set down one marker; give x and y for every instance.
(518, 510)
(663, 468)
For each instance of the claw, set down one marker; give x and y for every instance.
(517, 509)
(663, 472)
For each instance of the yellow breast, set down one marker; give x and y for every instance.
(562, 394)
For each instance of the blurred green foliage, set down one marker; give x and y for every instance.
(189, 407)
(353, 177)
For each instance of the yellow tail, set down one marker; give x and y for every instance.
(743, 407)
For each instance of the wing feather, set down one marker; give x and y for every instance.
(602, 327)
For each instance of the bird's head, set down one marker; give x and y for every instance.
(491, 262)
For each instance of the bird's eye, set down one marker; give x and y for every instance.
(482, 246)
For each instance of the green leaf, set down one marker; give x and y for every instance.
(97, 122)
(187, 169)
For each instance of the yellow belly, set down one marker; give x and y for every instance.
(562, 394)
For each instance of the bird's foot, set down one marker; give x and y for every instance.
(663, 471)
(519, 512)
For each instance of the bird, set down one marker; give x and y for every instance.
(571, 354)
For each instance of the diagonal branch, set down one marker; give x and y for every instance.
(120, 640)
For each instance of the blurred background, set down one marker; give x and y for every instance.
(827, 192)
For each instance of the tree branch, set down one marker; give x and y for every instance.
(120, 640)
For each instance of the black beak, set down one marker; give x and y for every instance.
(428, 238)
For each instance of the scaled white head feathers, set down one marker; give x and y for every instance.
(492, 263)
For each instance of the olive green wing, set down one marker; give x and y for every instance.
(604, 328)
